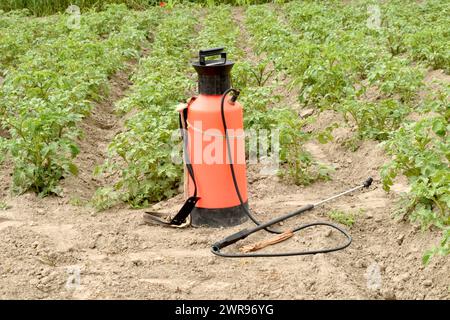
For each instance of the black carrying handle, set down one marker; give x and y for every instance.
(202, 54)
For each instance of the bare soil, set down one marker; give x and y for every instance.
(46, 241)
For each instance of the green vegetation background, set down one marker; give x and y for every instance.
(46, 7)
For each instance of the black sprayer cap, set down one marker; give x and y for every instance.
(213, 75)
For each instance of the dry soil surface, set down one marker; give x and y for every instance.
(52, 249)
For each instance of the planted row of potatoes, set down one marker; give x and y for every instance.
(52, 86)
(51, 76)
(325, 52)
(145, 167)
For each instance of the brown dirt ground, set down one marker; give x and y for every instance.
(120, 257)
(44, 241)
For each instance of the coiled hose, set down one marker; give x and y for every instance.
(216, 248)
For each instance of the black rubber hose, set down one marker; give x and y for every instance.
(216, 249)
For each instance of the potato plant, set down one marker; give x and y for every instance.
(421, 31)
(18, 34)
(375, 120)
(420, 151)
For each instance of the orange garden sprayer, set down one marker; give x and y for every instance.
(217, 186)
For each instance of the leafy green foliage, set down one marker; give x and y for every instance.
(49, 91)
(105, 198)
(272, 40)
(343, 217)
(4, 206)
(443, 249)
(395, 77)
(420, 31)
(300, 166)
(220, 30)
(149, 174)
(421, 153)
(324, 74)
(368, 75)
(431, 45)
(375, 120)
(3, 149)
(46, 7)
(43, 149)
(18, 34)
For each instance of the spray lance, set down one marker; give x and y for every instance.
(218, 191)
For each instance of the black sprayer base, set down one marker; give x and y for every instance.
(216, 218)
